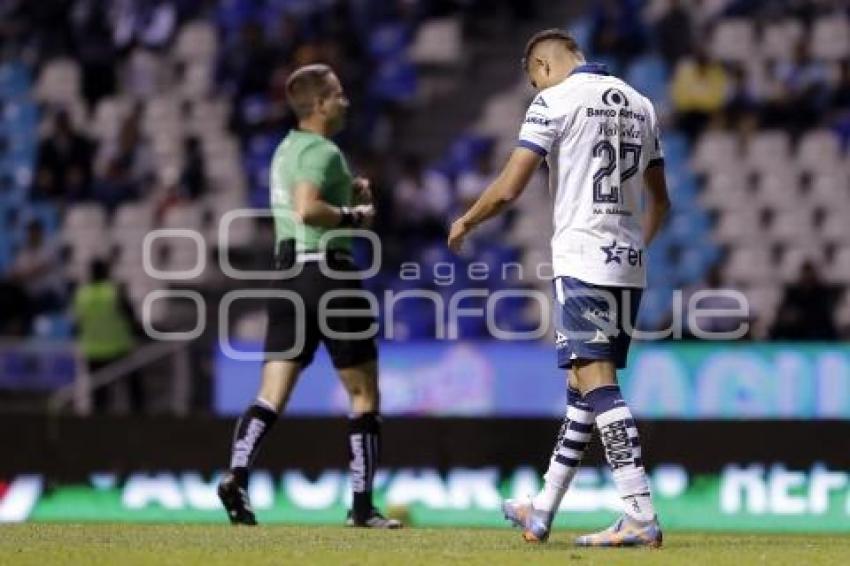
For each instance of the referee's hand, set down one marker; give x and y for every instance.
(362, 190)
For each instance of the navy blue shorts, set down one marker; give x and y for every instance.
(589, 321)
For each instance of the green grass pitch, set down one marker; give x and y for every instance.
(94, 544)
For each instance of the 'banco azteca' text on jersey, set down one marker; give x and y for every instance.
(598, 135)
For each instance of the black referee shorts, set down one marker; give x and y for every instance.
(295, 329)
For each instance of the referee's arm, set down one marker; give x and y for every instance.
(313, 211)
(510, 183)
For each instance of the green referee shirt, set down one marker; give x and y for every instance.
(306, 156)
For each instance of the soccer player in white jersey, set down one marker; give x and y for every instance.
(601, 141)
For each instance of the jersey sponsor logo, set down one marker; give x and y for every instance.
(537, 119)
(614, 97)
(610, 130)
(624, 113)
(618, 253)
(540, 102)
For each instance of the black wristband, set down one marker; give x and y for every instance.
(349, 217)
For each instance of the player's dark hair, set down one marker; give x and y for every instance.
(552, 34)
(305, 86)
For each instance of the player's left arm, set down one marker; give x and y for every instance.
(505, 189)
(659, 201)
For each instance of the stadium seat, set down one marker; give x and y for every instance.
(793, 259)
(769, 150)
(792, 226)
(834, 228)
(14, 80)
(777, 188)
(839, 269)
(749, 265)
(738, 227)
(197, 42)
(829, 189)
(725, 189)
(438, 42)
(649, 76)
(779, 39)
(59, 81)
(733, 40)
(714, 151)
(819, 151)
(830, 37)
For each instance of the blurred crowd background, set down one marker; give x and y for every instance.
(120, 116)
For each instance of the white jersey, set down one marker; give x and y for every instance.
(598, 135)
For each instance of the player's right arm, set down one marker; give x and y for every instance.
(538, 133)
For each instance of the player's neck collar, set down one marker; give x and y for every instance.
(592, 68)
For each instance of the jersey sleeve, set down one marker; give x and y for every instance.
(539, 128)
(314, 165)
(655, 152)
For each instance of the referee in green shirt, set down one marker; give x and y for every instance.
(313, 192)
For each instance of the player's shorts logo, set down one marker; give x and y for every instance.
(614, 97)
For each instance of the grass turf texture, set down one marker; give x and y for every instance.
(90, 544)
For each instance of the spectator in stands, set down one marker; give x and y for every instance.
(742, 105)
(63, 172)
(423, 200)
(840, 100)
(192, 179)
(698, 91)
(245, 66)
(94, 48)
(107, 330)
(617, 30)
(37, 269)
(149, 23)
(125, 165)
(799, 91)
(674, 31)
(806, 311)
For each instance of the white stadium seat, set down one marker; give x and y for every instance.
(715, 150)
(818, 151)
(733, 40)
(59, 81)
(769, 150)
(741, 226)
(749, 266)
(779, 38)
(197, 42)
(830, 37)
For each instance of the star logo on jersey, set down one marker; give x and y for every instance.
(618, 253)
(540, 102)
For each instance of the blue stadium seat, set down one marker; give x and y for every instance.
(395, 81)
(14, 80)
(389, 40)
(648, 74)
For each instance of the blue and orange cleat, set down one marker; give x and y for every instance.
(535, 524)
(625, 532)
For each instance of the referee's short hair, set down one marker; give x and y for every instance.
(305, 86)
(551, 34)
